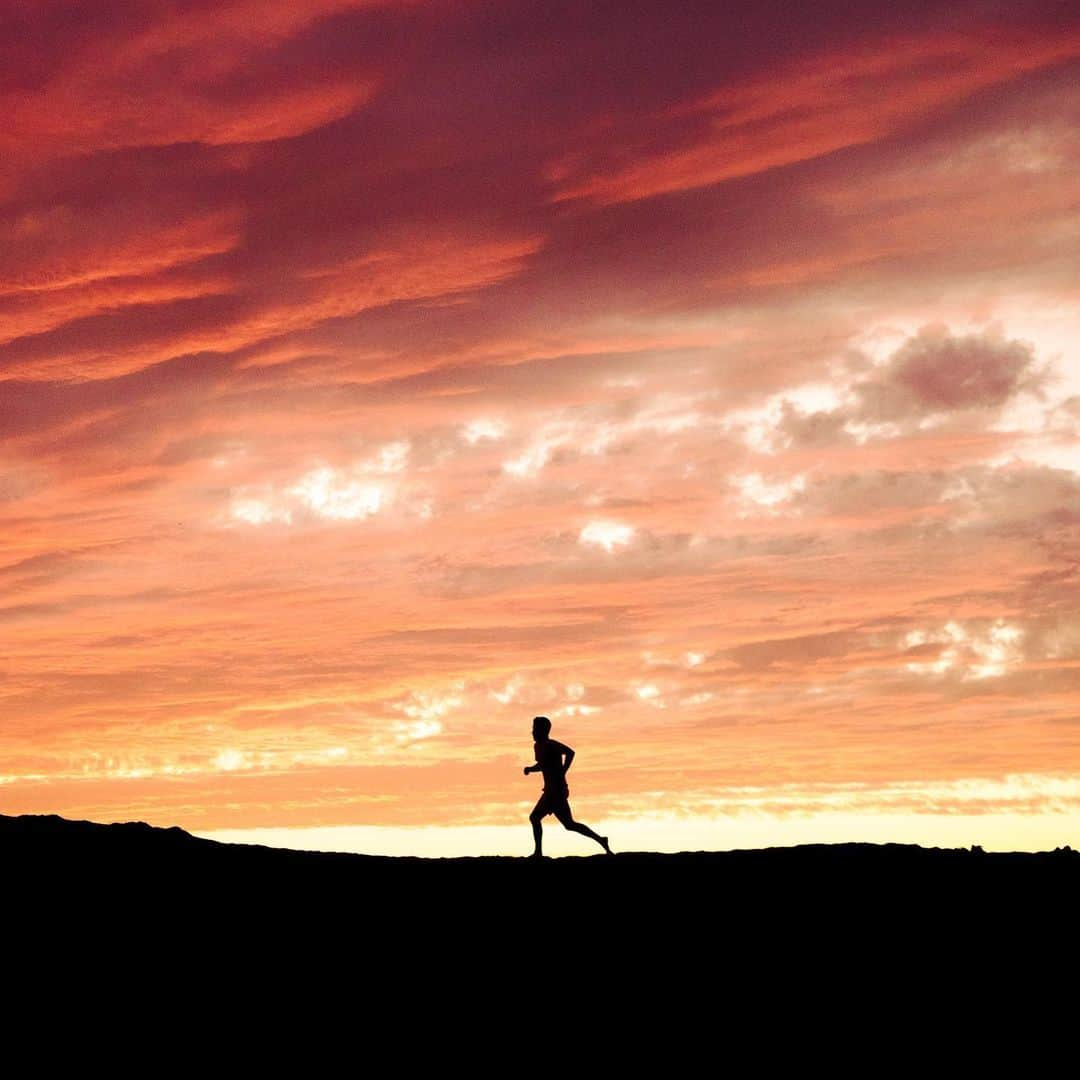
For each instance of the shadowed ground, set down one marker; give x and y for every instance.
(830, 881)
(701, 939)
(809, 955)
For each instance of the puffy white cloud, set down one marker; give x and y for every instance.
(391, 458)
(607, 534)
(329, 494)
(702, 698)
(482, 430)
(231, 760)
(576, 710)
(531, 461)
(253, 511)
(972, 652)
(930, 378)
(509, 692)
(427, 707)
(756, 493)
(417, 731)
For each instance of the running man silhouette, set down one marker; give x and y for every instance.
(556, 796)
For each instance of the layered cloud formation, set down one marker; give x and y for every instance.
(376, 375)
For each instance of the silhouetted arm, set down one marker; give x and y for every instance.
(569, 754)
(531, 768)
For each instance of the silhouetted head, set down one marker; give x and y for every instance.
(541, 727)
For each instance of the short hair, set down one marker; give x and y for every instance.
(543, 723)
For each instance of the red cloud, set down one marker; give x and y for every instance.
(816, 106)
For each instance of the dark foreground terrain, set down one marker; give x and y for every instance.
(45, 858)
(720, 943)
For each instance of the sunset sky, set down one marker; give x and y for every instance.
(706, 377)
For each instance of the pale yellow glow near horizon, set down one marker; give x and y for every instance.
(992, 832)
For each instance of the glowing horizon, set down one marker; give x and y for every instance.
(377, 375)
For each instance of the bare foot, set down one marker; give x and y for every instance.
(607, 847)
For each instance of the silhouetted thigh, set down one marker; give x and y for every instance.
(561, 810)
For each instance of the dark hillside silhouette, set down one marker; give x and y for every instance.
(802, 951)
(724, 897)
(771, 933)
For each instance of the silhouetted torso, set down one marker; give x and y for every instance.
(549, 756)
